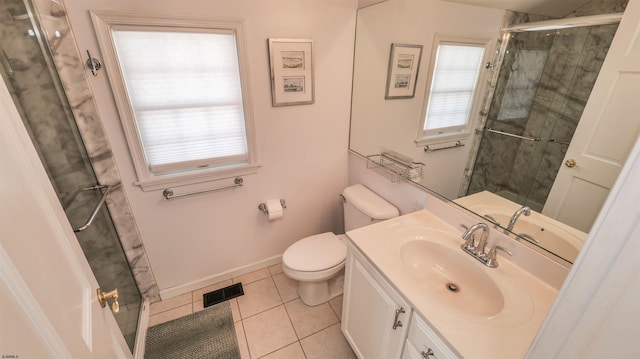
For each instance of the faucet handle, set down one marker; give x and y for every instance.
(492, 255)
(469, 242)
(479, 250)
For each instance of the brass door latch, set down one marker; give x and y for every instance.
(113, 295)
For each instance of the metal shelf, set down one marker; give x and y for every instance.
(395, 167)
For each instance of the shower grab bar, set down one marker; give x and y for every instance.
(6, 63)
(168, 193)
(489, 129)
(75, 193)
(106, 190)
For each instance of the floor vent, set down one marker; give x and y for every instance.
(220, 295)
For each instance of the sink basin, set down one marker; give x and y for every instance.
(452, 278)
(549, 237)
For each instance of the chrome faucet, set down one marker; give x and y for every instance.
(512, 222)
(470, 246)
(477, 250)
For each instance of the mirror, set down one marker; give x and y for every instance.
(531, 98)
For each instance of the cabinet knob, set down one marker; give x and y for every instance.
(396, 322)
(428, 354)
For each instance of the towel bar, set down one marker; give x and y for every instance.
(168, 193)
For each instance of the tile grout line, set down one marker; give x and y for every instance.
(288, 317)
(282, 303)
(246, 341)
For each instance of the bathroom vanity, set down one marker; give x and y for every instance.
(412, 292)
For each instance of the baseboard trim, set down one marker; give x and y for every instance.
(217, 278)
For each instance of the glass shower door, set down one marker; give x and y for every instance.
(544, 83)
(28, 71)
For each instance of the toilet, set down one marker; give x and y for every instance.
(317, 262)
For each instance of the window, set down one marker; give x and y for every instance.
(454, 78)
(182, 97)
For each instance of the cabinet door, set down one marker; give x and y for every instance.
(369, 319)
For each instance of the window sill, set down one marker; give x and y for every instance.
(184, 179)
(436, 140)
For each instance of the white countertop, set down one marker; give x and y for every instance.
(505, 334)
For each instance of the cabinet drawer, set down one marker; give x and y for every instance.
(423, 338)
(410, 352)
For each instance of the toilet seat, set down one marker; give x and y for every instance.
(315, 253)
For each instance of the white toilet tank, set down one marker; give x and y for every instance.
(363, 207)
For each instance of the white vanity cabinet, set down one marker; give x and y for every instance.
(375, 318)
(424, 343)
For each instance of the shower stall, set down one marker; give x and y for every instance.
(30, 74)
(542, 88)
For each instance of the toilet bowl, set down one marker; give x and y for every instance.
(317, 262)
(312, 261)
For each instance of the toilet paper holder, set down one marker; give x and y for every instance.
(263, 206)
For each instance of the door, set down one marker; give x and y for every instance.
(604, 137)
(48, 293)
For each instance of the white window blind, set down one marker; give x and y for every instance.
(185, 92)
(452, 88)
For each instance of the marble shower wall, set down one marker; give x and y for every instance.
(521, 170)
(49, 110)
(496, 87)
(52, 109)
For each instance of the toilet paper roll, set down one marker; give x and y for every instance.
(274, 209)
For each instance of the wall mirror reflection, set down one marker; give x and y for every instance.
(534, 159)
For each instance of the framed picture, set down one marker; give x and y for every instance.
(404, 63)
(291, 62)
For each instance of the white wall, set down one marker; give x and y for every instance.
(394, 123)
(201, 239)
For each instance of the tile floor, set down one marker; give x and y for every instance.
(270, 320)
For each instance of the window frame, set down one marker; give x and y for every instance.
(104, 23)
(423, 139)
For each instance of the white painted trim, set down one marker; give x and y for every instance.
(217, 278)
(141, 331)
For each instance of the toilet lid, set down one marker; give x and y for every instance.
(315, 253)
